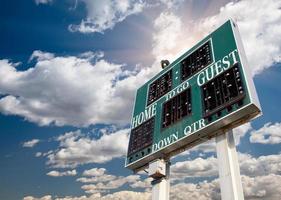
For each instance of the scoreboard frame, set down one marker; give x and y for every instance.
(222, 80)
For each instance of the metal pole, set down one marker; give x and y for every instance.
(161, 182)
(229, 172)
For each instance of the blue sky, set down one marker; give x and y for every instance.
(69, 70)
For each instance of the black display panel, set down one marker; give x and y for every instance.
(196, 61)
(160, 87)
(176, 108)
(223, 91)
(141, 136)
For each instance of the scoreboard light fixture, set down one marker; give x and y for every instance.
(207, 90)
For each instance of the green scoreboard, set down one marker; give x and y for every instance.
(204, 92)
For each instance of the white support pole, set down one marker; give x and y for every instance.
(161, 182)
(229, 172)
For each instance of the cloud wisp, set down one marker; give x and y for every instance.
(104, 15)
(55, 173)
(31, 143)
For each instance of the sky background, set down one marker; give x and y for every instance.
(69, 70)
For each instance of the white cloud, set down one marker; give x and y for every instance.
(260, 28)
(127, 195)
(208, 167)
(268, 134)
(172, 3)
(240, 131)
(103, 15)
(70, 90)
(43, 2)
(102, 187)
(255, 188)
(97, 179)
(96, 175)
(75, 149)
(262, 187)
(31, 143)
(46, 197)
(198, 167)
(94, 172)
(41, 56)
(146, 183)
(168, 30)
(55, 173)
(121, 195)
(260, 178)
(102, 182)
(260, 166)
(38, 154)
(202, 190)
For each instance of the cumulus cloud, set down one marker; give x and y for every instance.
(255, 188)
(167, 35)
(146, 184)
(202, 190)
(31, 143)
(121, 195)
(260, 28)
(127, 195)
(208, 167)
(260, 166)
(198, 167)
(261, 177)
(260, 187)
(70, 90)
(94, 172)
(268, 134)
(55, 173)
(75, 149)
(96, 175)
(116, 183)
(100, 182)
(41, 55)
(103, 15)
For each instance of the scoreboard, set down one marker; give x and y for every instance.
(207, 90)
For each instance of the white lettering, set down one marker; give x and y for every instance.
(225, 62)
(166, 141)
(210, 74)
(145, 115)
(217, 68)
(177, 90)
(201, 78)
(194, 127)
(234, 56)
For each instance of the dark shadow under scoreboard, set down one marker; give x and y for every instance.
(205, 91)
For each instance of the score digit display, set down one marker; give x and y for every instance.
(207, 90)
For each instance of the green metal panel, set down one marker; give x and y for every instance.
(225, 53)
